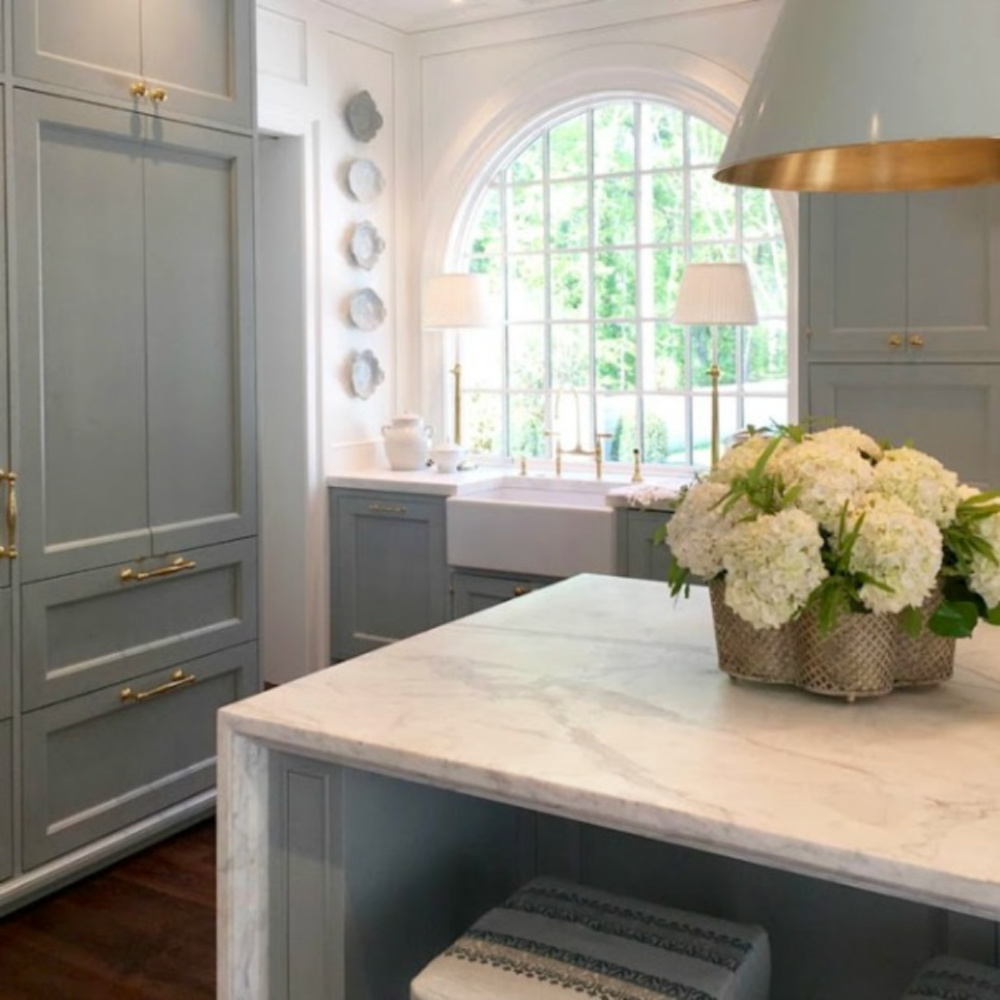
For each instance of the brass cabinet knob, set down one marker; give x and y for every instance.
(138, 89)
(895, 341)
(158, 94)
(916, 340)
(520, 591)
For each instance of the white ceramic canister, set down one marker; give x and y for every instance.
(407, 441)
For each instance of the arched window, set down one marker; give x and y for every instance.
(585, 233)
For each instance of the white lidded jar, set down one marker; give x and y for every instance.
(407, 441)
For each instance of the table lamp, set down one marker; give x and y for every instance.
(715, 295)
(458, 302)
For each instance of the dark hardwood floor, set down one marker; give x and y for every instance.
(142, 930)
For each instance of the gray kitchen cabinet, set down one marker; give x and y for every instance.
(476, 591)
(950, 411)
(638, 554)
(95, 764)
(6, 660)
(902, 277)
(198, 52)
(89, 630)
(135, 336)
(6, 803)
(388, 572)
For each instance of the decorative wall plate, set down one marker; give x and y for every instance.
(366, 374)
(366, 309)
(366, 245)
(365, 180)
(363, 117)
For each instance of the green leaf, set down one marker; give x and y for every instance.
(912, 620)
(993, 615)
(955, 619)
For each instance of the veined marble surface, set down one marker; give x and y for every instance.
(657, 492)
(599, 699)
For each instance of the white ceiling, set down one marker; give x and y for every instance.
(425, 15)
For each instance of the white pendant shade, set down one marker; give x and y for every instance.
(715, 295)
(458, 301)
(873, 95)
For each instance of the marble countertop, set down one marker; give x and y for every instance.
(655, 494)
(599, 699)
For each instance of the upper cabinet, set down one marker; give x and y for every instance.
(190, 57)
(135, 336)
(903, 276)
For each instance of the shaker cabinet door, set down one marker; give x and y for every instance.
(6, 803)
(79, 326)
(91, 45)
(950, 411)
(388, 577)
(199, 52)
(196, 52)
(856, 265)
(6, 654)
(200, 353)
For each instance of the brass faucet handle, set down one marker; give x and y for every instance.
(636, 466)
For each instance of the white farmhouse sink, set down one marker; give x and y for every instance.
(554, 529)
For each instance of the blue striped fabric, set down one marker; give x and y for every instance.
(554, 939)
(955, 979)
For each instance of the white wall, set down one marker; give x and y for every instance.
(450, 99)
(312, 58)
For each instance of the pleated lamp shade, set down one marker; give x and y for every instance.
(872, 95)
(457, 302)
(715, 295)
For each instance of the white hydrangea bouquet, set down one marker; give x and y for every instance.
(833, 522)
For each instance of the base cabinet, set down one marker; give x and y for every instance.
(388, 572)
(639, 554)
(472, 592)
(95, 764)
(6, 803)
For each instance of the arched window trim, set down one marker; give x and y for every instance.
(540, 99)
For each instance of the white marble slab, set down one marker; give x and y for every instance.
(599, 699)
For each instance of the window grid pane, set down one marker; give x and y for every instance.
(587, 232)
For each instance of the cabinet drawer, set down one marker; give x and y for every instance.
(88, 630)
(6, 787)
(478, 591)
(95, 764)
(6, 665)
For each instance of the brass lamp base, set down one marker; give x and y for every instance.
(713, 374)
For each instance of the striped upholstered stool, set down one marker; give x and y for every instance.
(555, 941)
(955, 979)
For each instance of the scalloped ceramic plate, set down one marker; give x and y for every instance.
(366, 374)
(363, 117)
(365, 180)
(367, 311)
(366, 245)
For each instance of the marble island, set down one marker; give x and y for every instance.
(596, 701)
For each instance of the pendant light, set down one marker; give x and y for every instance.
(872, 95)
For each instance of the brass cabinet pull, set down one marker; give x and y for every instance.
(178, 679)
(520, 591)
(380, 508)
(138, 89)
(129, 575)
(10, 478)
(916, 340)
(895, 340)
(158, 95)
